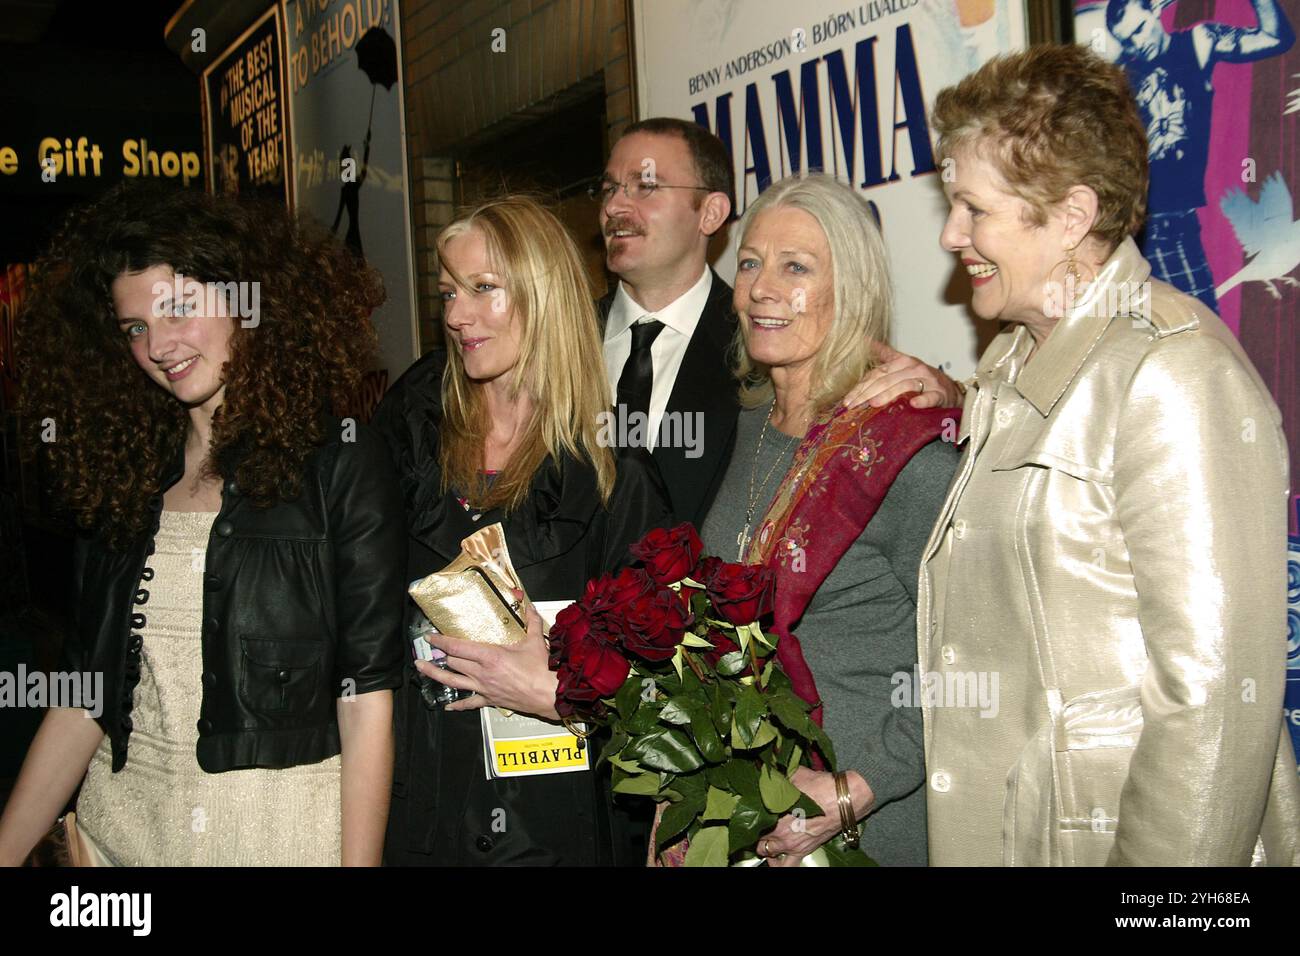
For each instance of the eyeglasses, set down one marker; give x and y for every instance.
(602, 191)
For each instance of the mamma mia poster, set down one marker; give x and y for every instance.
(844, 88)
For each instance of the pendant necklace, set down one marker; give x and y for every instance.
(755, 496)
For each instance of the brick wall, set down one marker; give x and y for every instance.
(459, 89)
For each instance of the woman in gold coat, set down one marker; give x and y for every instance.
(1101, 618)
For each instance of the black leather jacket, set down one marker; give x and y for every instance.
(302, 604)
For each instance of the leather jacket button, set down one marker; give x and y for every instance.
(146, 574)
(141, 596)
(211, 582)
(283, 677)
(231, 487)
(205, 726)
(483, 844)
(137, 621)
(209, 679)
(224, 528)
(213, 625)
(133, 646)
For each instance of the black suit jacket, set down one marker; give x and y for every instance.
(706, 385)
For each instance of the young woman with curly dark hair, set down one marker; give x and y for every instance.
(239, 583)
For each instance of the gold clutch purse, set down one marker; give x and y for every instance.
(472, 597)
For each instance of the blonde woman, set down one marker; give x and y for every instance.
(503, 426)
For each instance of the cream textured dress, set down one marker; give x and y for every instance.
(161, 809)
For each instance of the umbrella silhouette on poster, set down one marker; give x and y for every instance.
(377, 58)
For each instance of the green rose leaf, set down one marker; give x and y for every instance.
(765, 735)
(678, 710)
(788, 710)
(628, 766)
(732, 664)
(721, 709)
(677, 817)
(666, 749)
(750, 710)
(643, 721)
(720, 804)
(612, 749)
(706, 737)
(628, 696)
(778, 793)
(641, 784)
(818, 736)
(837, 854)
(793, 763)
(743, 777)
(708, 847)
(749, 821)
(693, 787)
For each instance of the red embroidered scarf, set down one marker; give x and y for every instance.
(839, 476)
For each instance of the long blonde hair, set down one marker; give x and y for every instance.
(863, 291)
(561, 367)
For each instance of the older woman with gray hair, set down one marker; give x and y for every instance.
(837, 502)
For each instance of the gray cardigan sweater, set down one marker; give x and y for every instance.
(859, 632)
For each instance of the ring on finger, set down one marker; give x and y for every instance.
(920, 385)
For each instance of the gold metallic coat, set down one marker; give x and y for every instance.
(1110, 564)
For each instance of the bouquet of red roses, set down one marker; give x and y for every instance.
(672, 657)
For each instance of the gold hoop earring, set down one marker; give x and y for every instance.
(1071, 267)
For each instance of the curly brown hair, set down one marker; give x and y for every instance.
(1051, 117)
(115, 432)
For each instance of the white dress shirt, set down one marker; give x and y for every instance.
(668, 349)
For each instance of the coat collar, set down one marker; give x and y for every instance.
(561, 504)
(1122, 280)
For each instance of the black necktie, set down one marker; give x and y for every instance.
(638, 371)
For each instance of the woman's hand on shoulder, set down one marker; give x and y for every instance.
(516, 677)
(897, 374)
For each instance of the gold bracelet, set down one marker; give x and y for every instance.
(572, 725)
(848, 822)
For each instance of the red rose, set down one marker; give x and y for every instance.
(572, 624)
(741, 593)
(653, 625)
(669, 555)
(586, 666)
(607, 594)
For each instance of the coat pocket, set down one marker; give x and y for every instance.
(277, 676)
(1062, 801)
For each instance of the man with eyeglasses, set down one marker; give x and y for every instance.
(665, 193)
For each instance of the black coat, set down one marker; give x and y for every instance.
(301, 604)
(445, 811)
(705, 384)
